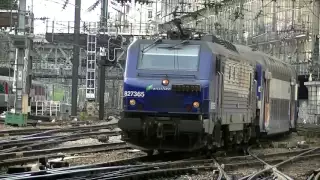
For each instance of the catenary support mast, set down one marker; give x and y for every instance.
(76, 58)
(102, 81)
(21, 45)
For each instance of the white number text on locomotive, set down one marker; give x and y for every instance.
(133, 93)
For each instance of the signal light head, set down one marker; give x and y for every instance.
(165, 82)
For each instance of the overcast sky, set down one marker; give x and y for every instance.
(53, 10)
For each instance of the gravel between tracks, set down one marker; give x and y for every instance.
(91, 158)
(203, 176)
(87, 141)
(301, 169)
(298, 171)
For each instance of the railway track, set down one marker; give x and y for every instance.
(58, 123)
(273, 169)
(41, 131)
(23, 157)
(112, 171)
(147, 166)
(28, 141)
(39, 145)
(309, 130)
(20, 151)
(269, 163)
(315, 175)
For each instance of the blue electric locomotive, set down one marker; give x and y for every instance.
(189, 94)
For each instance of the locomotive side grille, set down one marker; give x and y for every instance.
(170, 102)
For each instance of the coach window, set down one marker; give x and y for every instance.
(267, 90)
(230, 67)
(234, 74)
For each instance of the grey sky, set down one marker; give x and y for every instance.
(53, 10)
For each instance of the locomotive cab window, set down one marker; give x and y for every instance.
(161, 57)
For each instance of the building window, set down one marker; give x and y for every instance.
(127, 9)
(149, 14)
(150, 4)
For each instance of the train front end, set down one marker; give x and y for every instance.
(166, 92)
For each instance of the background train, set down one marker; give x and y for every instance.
(38, 92)
(208, 93)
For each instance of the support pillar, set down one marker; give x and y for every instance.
(241, 26)
(21, 44)
(102, 69)
(315, 31)
(76, 58)
(29, 60)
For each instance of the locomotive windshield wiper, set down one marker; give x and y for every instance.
(185, 42)
(158, 41)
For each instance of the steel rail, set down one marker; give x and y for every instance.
(80, 134)
(132, 169)
(41, 174)
(26, 131)
(129, 170)
(60, 173)
(57, 155)
(127, 162)
(102, 165)
(42, 133)
(52, 171)
(222, 173)
(274, 169)
(62, 129)
(250, 177)
(41, 143)
(172, 156)
(14, 145)
(59, 139)
(317, 177)
(5, 142)
(154, 173)
(58, 123)
(248, 157)
(311, 176)
(57, 150)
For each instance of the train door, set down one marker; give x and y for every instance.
(267, 100)
(219, 85)
(293, 103)
(259, 79)
(217, 100)
(214, 100)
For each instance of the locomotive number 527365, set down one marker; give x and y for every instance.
(133, 93)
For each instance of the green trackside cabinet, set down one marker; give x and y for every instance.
(16, 119)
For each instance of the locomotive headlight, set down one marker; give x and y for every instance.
(132, 102)
(195, 104)
(165, 82)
